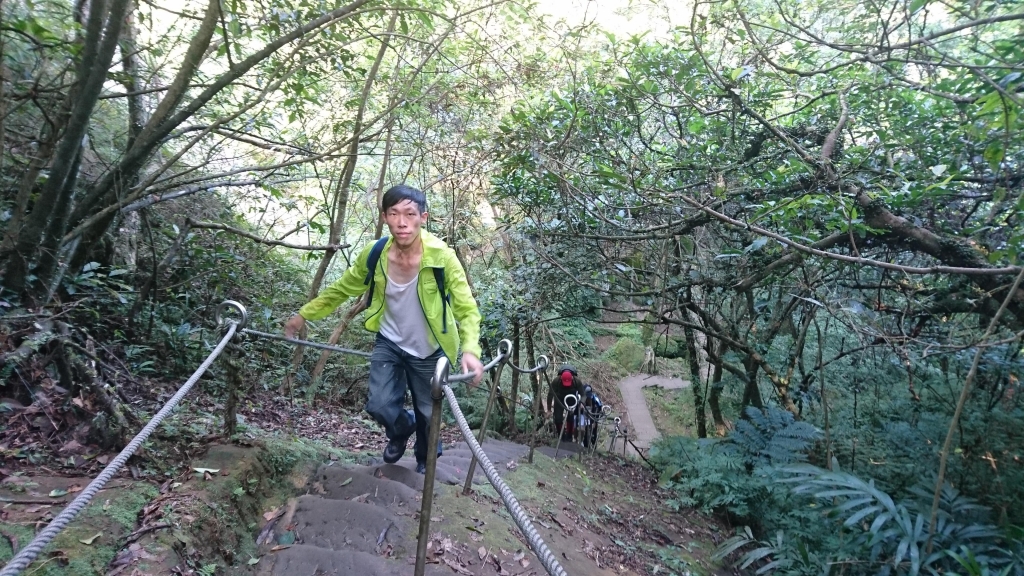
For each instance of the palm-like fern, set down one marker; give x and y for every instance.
(893, 536)
(771, 436)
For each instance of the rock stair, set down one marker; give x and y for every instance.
(363, 520)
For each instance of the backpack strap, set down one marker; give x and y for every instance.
(439, 278)
(371, 266)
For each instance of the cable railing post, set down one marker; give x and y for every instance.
(437, 384)
(233, 369)
(543, 376)
(495, 384)
(569, 413)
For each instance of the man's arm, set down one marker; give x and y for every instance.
(350, 284)
(463, 305)
(467, 314)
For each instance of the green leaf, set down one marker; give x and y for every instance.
(89, 541)
(347, 481)
(756, 244)
(57, 493)
(994, 155)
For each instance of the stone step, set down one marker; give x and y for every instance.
(338, 522)
(305, 560)
(349, 525)
(341, 483)
(565, 450)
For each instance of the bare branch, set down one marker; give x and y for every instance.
(215, 226)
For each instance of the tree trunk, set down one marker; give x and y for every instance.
(131, 80)
(715, 394)
(342, 190)
(513, 429)
(751, 394)
(388, 142)
(696, 383)
(100, 43)
(49, 250)
(535, 380)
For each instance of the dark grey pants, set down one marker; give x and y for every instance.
(392, 372)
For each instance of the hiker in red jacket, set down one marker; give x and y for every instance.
(565, 384)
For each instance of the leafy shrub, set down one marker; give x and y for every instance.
(738, 474)
(626, 353)
(880, 535)
(630, 331)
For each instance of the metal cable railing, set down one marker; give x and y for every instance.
(270, 336)
(440, 389)
(23, 558)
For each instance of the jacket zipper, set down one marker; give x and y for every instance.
(419, 296)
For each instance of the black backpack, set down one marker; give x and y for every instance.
(371, 267)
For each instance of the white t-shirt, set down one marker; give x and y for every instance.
(404, 322)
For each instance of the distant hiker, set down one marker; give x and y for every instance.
(420, 305)
(591, 414)
(566, 383)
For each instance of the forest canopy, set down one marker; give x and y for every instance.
(817, 206)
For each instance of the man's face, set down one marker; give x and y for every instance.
(404, 221)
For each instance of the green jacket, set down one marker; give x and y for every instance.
(436, 254)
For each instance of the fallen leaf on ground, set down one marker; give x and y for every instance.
(454, 566)
(482, 552)
(89, 541)
(57, 493)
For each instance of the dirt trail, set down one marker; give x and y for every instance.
(641, 426)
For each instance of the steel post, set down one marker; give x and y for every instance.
(436, 395)
(495, 385)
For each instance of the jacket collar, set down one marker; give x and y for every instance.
(433, 249)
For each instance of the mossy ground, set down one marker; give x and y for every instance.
(111, 515)
(590, 512)
(672, 410)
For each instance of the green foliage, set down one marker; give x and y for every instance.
(627, 354)
(738, 474)
(771, 437)
(883, 535)
(631, 331)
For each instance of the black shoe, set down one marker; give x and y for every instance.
(421, 468)
(395, 449)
